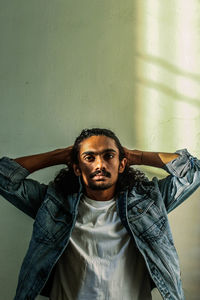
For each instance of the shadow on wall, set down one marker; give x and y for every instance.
(165, 64)
(164, 88)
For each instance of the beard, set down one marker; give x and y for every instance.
(99, 187)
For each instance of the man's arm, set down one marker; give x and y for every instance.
(154, 159)
(39, 161)
(184, 170)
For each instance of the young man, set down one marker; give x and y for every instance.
(101, 229)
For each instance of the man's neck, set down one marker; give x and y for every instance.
(99, 195)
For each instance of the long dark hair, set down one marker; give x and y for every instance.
(66, 182)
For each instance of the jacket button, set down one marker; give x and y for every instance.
(140, 210)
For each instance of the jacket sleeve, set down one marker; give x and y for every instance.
(25, 194)
(183, 180)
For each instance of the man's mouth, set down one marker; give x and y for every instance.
(100, 174)
(99, 177)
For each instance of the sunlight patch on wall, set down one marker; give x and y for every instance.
(187, 57)
(168, 74)
(186, 30)
(152, 37)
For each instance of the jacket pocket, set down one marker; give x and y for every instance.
(155, 231)
(148, 222)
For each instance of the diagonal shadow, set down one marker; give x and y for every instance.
(167, 90)
(161, 62)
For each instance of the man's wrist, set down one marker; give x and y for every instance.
(154, 159)
(39, 161)
(157, 159)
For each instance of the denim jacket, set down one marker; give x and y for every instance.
(143, 212)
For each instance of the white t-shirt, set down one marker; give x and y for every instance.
(101, 261)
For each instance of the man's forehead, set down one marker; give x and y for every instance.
(98, 143)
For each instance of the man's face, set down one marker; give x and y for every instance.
(99, 163)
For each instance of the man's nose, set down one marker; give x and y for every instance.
(99, 163)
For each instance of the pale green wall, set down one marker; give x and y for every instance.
(131, 66)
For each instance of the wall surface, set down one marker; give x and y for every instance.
(131, 66)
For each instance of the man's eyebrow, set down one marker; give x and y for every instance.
(96, 152)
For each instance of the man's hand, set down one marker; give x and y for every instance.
(68, 155)
(134, 157)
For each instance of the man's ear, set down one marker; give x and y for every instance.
(77, 170)
(122, 165)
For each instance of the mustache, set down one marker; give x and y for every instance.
(102, 172)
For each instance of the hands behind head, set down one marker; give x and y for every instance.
(133, 156)
(68, 155)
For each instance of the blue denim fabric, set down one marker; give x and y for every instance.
(143, 212)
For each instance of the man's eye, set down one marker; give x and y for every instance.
(108, 156)
(89, 158)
